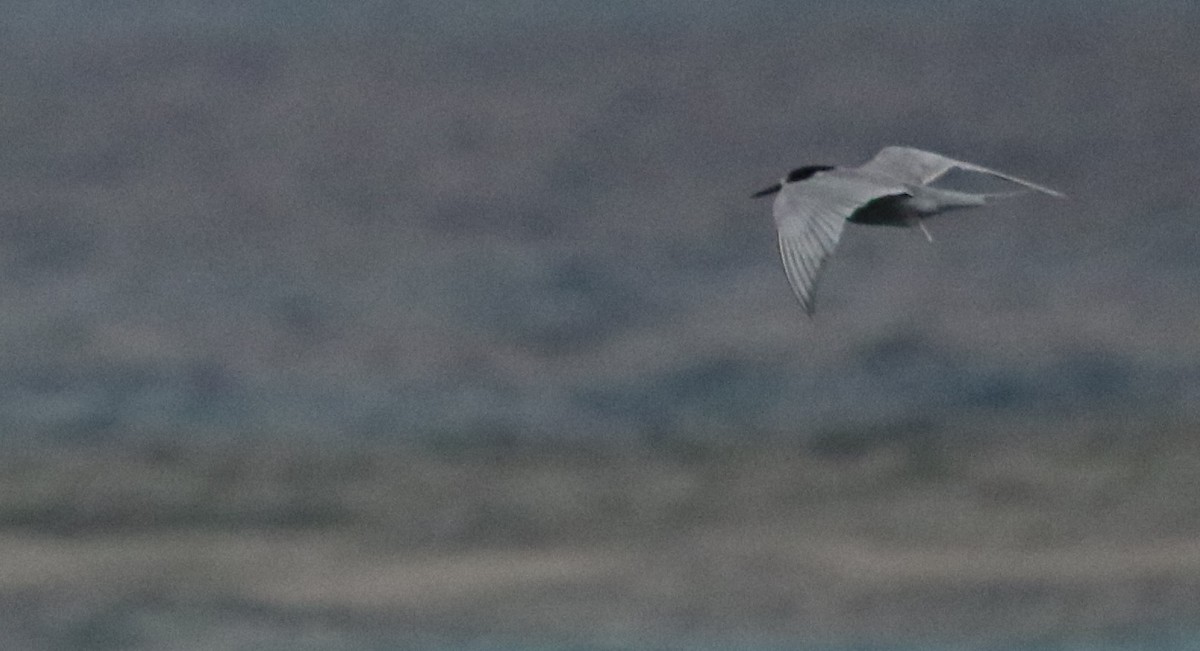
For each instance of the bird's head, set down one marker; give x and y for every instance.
(794, 176)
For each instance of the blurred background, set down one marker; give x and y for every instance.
(452, 325)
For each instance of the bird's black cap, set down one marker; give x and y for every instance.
(801, 173)
(798, 174)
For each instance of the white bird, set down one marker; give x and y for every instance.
(815, 202)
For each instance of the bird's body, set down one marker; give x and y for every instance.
(814, 204)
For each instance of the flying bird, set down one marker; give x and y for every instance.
(814, 203)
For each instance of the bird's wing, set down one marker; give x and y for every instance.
(810, 216)
(919, 167)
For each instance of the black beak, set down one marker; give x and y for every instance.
(771, 190)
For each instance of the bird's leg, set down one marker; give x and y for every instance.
(920, 223)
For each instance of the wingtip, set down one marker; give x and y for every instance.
(1045, 190)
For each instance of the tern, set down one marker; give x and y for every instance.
(814, 203)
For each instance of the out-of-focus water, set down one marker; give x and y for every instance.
(468, 224)
(405, 221)
(185, 630)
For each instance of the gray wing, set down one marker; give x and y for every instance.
(919, 167)
(810, 216)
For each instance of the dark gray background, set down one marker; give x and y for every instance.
(452, 325)
(505, 219)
